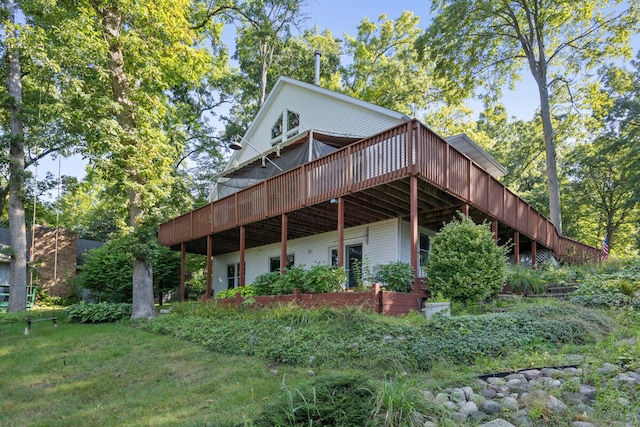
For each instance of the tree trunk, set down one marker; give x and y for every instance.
(17, 226)
(143, 304)
(550, 150)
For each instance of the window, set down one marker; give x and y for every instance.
(233, 271)
(423, 252)
(276, 130)
(274, 262)
(285, 125)
(293, 120)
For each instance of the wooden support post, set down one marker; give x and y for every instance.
(494, 230)
(207, 294)
(414, 230)
(283, 244)
(341, 232)
(534, 253)
(516, 247)
(242, 244)
(464, 209)
(183, 254)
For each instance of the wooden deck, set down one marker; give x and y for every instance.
(372, 176)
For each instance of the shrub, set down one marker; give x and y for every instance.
(98, 313)
(466, 265)
(327, 400)
(324, 278)
(264, 283)
(107, 270)
(244, 291)
(396, 275)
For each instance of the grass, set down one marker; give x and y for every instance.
(119, 374)
(115, 374)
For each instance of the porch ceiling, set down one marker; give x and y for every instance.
(374, 204)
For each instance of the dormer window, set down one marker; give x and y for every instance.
(286, 125)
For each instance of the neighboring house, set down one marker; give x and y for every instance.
(56, 258)
(320, 177)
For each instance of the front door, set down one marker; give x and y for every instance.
(354, 265)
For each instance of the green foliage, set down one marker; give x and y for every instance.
(317, 279)
(244, 291)
(323, 278)
(602, 289)
(385, 69)
(356, 338)
(524, 281)
(397, 276)
(400, 403)
(466, 265)
(107, 270)
(98, 313)
(330, 400)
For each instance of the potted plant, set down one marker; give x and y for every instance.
(436, 304)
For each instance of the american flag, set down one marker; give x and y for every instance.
(605, 248)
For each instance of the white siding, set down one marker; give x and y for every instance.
(405, 239)
(318, 112)
(379, 241)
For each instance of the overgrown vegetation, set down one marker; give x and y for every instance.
(465, 264)
(98, 313)
(308, 338)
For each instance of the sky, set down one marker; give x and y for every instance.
(342, 16)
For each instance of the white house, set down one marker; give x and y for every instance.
(321, 177)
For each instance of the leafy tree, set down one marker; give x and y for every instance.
(107, 270)
(121, 61)
(604, 179)
(465, 264)
(265, 28)
(87, 207)
(385, 69)
(481, 42)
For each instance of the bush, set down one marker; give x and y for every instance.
(318, 279)
(328, 400)
(466, 265)
(324, 278)
(107, 270)
(244, 291)
(98, 313)
(397, 276)
(524, 281)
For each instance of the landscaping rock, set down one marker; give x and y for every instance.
(608, 370)
(498, 422)
(588, 390)
(510, 404)
(491, 407)
(556, 406)
(468, 408)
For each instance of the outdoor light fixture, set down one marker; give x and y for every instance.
(236, 144)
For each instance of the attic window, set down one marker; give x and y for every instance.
(293, 120)
(276, 130)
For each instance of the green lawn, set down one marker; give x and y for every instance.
(115, 374)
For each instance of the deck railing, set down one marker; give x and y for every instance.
(388, 156)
